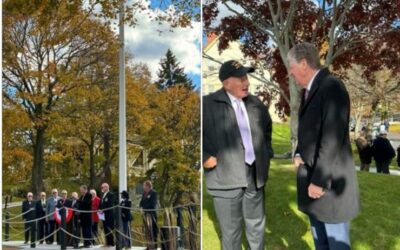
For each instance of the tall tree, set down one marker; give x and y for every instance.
(372, 94)
(47, 48)
(343, 30)
(171, 74)
(174, 141)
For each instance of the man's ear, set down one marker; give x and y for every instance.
(304, 64)
(226, 84)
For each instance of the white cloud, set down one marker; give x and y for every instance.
(148, 41)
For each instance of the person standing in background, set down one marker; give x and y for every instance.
(107, 202)
(95, 216)
(42, 227)
(126, 215)
(29, 216)
(383, 153)
(50, 209)
(149, 204)
(85, 205)
(364, 152)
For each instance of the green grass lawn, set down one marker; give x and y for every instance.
(376, 227)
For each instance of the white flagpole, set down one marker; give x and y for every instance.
(122, 109)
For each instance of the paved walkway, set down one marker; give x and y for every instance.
(20, 245)
(394, 139)
(373, 170)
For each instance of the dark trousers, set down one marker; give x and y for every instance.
(126, 241)
(52, 227)
(95, 231)
(75, 231)
(330, 236)
(383, 166)
(365, 167)
(30, 231)
(108, 225)
(151, 229)
(42, 230)
(87, 234)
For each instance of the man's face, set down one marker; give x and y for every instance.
(146, 188)
(237, 86)
(29, 196)
(104, 188)
(64, 196)
(55, 194)
(298, 70)
(83, 191)
(43, 196)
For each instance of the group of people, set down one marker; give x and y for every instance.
(83, 214)
(237, 151)
(380, 149)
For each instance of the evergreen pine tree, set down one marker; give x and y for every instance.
(171, 74)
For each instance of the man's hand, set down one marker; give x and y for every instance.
(297, 161)
(315, 192)
(210, 163)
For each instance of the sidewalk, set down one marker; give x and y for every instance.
(373, 170)
(20, 245)
(394, 138)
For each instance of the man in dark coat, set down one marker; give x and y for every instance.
(364, 152)
(74, 225)
(107, 202)
(29, 216)
(236, 154)
(65, 202)
(327, 186)
(85, 204)
(149, 203)
(383, 153)
(42, 227)
(126, 216)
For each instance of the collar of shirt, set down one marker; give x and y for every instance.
(312, 80)
(104, 195)
(233, 99)
(246, 115)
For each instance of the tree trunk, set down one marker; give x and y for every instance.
(38, 161)
(371, 119)
(91, 164)
(294, 113)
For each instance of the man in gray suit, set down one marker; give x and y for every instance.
(50, 208)
(236, 153)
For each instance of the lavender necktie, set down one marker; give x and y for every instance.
(245, 133)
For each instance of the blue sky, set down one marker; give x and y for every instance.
(148, 42)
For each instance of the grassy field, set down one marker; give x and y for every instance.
(376, 227)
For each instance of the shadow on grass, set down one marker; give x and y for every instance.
(285, 227)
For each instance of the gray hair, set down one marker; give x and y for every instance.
(305, 51)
